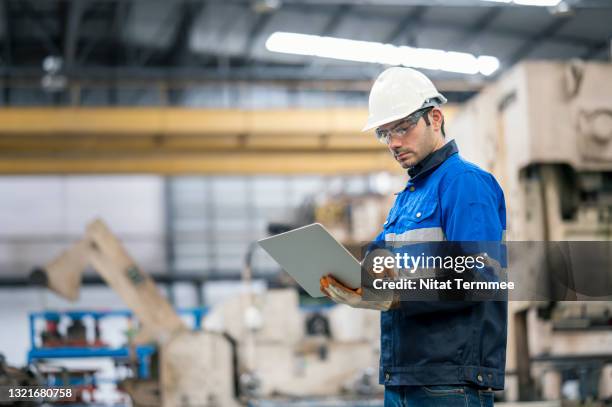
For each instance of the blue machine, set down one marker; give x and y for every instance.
(143, 352)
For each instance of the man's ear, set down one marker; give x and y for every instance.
(437, 118)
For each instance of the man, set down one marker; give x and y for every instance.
(433, 353)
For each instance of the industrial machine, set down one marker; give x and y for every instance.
(545, 131)
(252, 347)
(205, 380)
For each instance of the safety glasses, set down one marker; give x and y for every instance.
(404, 127)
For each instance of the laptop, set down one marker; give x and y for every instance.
(311, 252)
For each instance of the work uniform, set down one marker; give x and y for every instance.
(450, 351)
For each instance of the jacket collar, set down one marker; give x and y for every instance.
(433, 160)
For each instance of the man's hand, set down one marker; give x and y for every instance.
(341, 294)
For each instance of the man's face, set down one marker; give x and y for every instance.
(417, 142)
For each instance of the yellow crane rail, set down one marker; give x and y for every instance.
(187, 141)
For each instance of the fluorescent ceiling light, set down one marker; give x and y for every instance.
(379, 53)
(487, 65)
(541, 3)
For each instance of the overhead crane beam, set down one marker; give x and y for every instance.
(187, 141)
(179, 121)
(219, 164)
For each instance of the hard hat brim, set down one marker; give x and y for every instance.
(374, 124)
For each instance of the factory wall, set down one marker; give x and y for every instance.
(40, 216)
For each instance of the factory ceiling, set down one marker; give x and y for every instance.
(159, 39)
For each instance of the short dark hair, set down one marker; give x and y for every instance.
(427, 120)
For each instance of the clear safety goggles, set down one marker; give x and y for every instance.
(404, 127)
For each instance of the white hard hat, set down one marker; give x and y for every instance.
(397, 93)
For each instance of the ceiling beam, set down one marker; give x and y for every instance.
(189, 13)
(533, 41)
(455, 90)
(7, 49)
(120, 12)
(71, 36)
(260, 73)
(42, 31)
(7, 37)
(405, 24)
(335, 18)
(145, 53)
(120, 17)
(465, 41)
(258, 27)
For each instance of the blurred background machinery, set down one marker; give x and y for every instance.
(193, 134)
(251, 346)
(530, 130)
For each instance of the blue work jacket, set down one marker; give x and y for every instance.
(445, 342)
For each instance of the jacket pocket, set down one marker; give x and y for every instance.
(444, 390)
(454, 396)
(418, 215)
